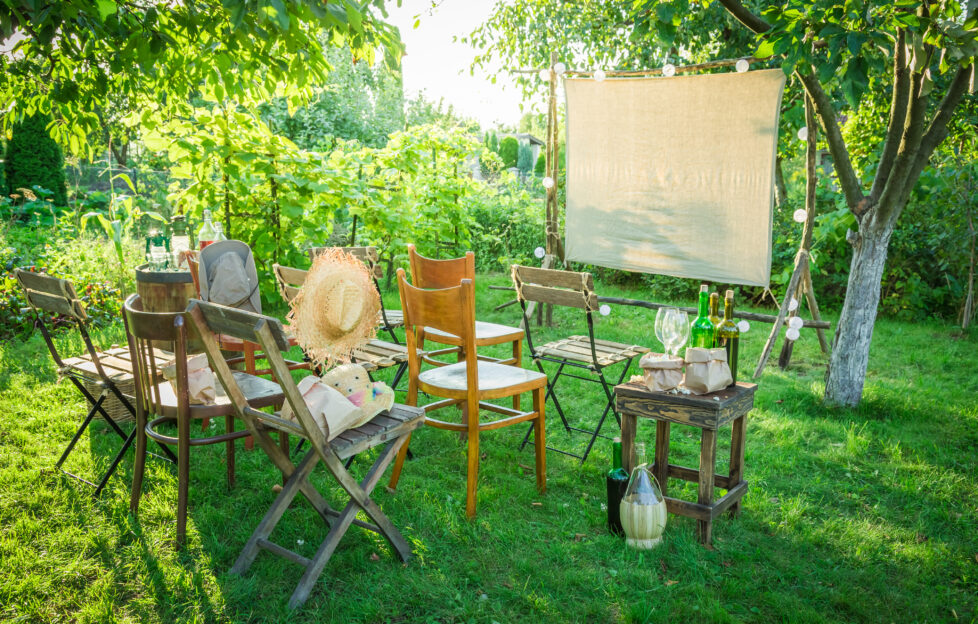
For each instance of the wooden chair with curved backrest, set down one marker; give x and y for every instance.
(391, 427)
(469, 383)
(158, 403)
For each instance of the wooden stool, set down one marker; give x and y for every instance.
(708, 412)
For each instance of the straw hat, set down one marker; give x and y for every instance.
(336, 309)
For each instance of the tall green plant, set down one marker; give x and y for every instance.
(33, 159)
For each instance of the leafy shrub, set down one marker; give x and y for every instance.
(524, 161)
(34, 159)
(508, 226)
(541, 165)
(509, 149)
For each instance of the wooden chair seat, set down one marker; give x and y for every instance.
(395, 318)
(116, 362)
(258, 391)
(578, 349)
(378, 354)
(485, 334)
(495, 380)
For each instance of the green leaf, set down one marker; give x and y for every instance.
(125, 178)
(764, 50)
(106, 8)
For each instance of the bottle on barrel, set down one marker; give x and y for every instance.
(701, 331)
(207, 233)
(219, 232)
(728, 335)
(617, 482)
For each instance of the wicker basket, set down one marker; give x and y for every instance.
(112, 405)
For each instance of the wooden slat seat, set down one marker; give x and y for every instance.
(378, 354)
(258, 391)
(578, 348)
(116, 362)
(381, 429)
(495, 380)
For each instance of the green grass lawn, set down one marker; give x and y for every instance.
(865, 515)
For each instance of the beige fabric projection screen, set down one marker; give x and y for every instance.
(674, 176)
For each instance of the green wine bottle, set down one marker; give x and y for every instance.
(728, 335)
(701, 331)
(715, 314)
(616, 481)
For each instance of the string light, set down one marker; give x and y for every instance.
(792, 305)
(548, 182)
(743, 326)
(539, 252)
(560, 68)
(795, 322)
(544, 75)
(668, 70)
(599, 75)
(792, 334)
(803, 133)
(605, 310)
(742, 66)
(800, 215)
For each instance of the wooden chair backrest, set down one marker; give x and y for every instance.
(193, 265)
(438, 274)
(450, 310)
(142, 328)
(51, 294)
(368, 255)
(289, 280)
(211, 320)
(566, 288)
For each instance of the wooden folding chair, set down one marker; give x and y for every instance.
(576, 290)
(391, 427)
(471, 382)
(109, 371)
(389, 319)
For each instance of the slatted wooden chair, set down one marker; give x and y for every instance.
(375, 355)
(107, 374)
(389, 319)
(576, 290)
(469, 383)
(158, 404)
(429, 273)
(391, 427)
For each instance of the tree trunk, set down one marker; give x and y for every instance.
(850, 347)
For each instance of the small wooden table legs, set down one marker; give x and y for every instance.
(634, 400)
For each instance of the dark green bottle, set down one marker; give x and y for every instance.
(617, 481)
(701, 331)
(728, 335)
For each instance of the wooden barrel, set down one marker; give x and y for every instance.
(165, 291)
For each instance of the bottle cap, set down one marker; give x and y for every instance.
(729, 294)
(704, 288)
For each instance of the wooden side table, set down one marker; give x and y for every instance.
(708, 412)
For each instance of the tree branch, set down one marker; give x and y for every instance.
(848, 180)
(745, 17)
(898, 115)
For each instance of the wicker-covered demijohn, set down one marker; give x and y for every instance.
(336, 310)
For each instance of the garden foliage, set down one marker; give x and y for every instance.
(33, 159)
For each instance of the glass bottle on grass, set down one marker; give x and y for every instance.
(616, 481)
(728, 335)
(206, 234)
(701, 332)
(643, 508)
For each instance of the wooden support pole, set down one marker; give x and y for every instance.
(801, 262)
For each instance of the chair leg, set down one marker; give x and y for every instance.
(539, 437)
(183, 478)
(139, 465)
(229, 445)
(518, 363)
(472, 473)
(81, 430)
(412, 400)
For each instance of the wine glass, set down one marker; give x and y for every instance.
(679, 322)
(662, 328)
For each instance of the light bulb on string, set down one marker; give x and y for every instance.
(668, 70)
(559, 69)
(742, 66)
(796, 322)
(539, 252)
(800, 215)
(743, 326)
(599, 75)
(792, 305)
(604, 310)
(792, 334)
(548, 182)
(544, 75)
(803, 133)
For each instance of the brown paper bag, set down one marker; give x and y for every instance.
(200, 380)
(706, 370)
(661, 371)
(328, 407)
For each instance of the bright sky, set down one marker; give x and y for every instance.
(439, 67)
